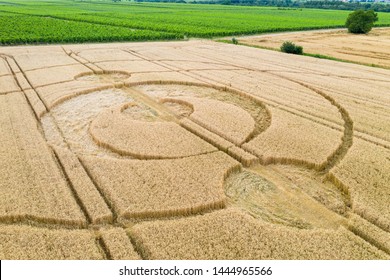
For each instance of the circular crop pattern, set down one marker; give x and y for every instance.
(154, 138)
(191, 156)
(106, 76)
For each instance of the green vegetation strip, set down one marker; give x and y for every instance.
(24, 21)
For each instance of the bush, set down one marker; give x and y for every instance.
(361, 22)
(289, 47)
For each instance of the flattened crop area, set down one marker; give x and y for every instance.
(370, 49)
(191, 150)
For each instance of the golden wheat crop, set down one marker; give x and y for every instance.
(198, 65)
(226, 120)
(4, 69)
(360, 90)
(293, 139)
(242, 156)
(231, 234)
(11, 64)
(36, 103)
(370, 232)
(365, 171)
(117, 244)
(86, 192)
(131, 66)
(144, 78)
(237, 153)
(362, 94)
(219, 142)
(54, 94)
(54, 75)
(191, 150)
(18, 242)
(158, 188)
(370, 49)
(22, 81)
(8, 84)
(145, 140)
(32, 186)
(224, 96)
(106, 54)
(35, 58)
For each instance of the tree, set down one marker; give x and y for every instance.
(290, 47)
(361, 22)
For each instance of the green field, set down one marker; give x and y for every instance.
(102, 21)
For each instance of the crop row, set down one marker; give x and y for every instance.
(18, 29)
(79, 22)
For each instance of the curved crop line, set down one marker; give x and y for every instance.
(332, 160)
(139, 156)
(346, 139)
(253, 134)
(104, 72)
(256, 100)
(221, 144)
(338, 154)
(178, 101)
(204, 125)
(81, 92)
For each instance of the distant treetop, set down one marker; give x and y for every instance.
(361, 22)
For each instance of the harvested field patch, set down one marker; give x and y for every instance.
(271, 196)
(73, 117)
(371, 49)
(318, 187)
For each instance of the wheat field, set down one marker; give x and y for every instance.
(191, 150)
(335, 43)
